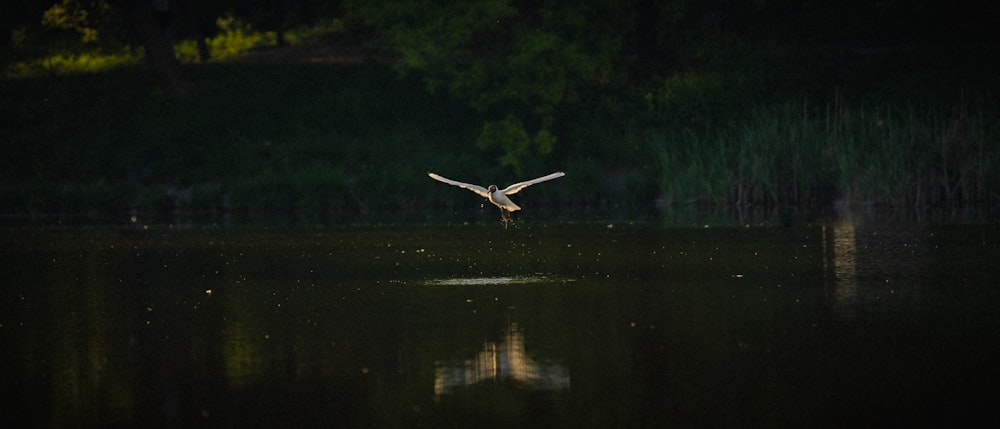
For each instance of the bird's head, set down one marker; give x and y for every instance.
(493, 188)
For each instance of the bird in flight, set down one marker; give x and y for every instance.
(496, 195)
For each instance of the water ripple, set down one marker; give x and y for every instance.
(488, 281)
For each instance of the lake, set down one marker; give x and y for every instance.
(537, 324)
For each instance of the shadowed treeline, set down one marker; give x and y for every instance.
(644, 103)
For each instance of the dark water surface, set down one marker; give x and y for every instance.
(535, 325)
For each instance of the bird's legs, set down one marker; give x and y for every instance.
(505, 215)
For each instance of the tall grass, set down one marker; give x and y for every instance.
(855, 153)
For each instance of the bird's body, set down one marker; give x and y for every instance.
(499, 197)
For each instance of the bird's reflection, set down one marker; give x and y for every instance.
(497, 362)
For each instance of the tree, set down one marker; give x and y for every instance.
(515, 61)
(152, 33)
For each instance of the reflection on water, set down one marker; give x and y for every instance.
(497, 362)
(657, 327)
(841, 253)
(242, 346)
(844, 253)
(884, 270)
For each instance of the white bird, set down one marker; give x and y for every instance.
(499, 196)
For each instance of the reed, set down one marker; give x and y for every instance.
(855, 153)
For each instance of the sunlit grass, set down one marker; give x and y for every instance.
(303, 33)
(73, 63)
(235, 38)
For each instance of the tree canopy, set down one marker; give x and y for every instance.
(517, 62)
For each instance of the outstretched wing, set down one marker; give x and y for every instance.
(474, 188)
(513, 189)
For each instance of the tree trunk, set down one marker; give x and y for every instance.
(201, 25)
(159, 51)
